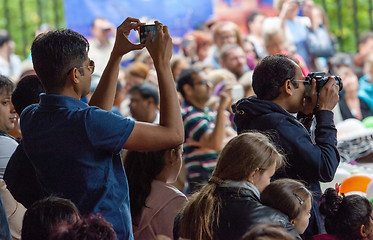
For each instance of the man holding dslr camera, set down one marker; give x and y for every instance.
(279, 86)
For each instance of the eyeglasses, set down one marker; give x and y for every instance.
(91, 66)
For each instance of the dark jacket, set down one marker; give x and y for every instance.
(241, 209)
(307, 161)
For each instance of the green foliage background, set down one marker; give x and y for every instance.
(349, 29)
(23, 34)
(52, 13)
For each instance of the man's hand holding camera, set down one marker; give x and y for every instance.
(329, 95)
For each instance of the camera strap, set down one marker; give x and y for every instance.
(317, 103)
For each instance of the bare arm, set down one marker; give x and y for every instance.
(170, 131)
(217, 137)
(104, 94)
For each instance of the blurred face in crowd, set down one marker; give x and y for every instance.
(255, 26)
(101, 30)
(225, 35)
(235, 61)
(139, 107)
(7, 112)
(350, 80)
(275, 44)
(202, 89)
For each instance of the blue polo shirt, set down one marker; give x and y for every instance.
(75, 149)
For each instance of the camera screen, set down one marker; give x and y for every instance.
(144, 31)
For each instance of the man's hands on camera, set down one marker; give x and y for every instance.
(329, 95)
(161, 49)
(122, 45)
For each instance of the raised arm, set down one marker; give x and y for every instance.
(103, 97)
(170, 131)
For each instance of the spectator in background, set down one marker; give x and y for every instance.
(154, 202)
(365, 91)
(178, 64)
(223, 33)
(45, 214)
(275, 44)
(293, 26)
(350, 105)
(10, 64)
(101, 43)
(232, 57)
(196, 45)
(206, 131)
(365, 49)
(255, 26)
(8, 117)
(346, 217)
(144, 103)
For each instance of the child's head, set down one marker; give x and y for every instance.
(349, 217)
(296, 201)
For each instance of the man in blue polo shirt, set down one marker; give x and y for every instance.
(75, 147)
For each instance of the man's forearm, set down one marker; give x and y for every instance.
(103, 97)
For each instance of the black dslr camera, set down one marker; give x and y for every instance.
(321, 80)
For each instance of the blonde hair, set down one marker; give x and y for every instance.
(239, 158)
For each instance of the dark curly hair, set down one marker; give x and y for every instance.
(344, 216)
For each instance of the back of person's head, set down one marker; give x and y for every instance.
(55, 54)
(4, 37)
(141, 169)
(295, 199)
(237, 161)
(186, 78)
(146, 90)
(270, 75)
(266, 231)
(347, 217)
(6, 85)
(27, 92)
(218, 75)
(44, 214)
(92, 227)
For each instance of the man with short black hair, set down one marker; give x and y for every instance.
(279, 86)
(206, 131)
(75, 148)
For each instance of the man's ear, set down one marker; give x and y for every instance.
(74, 75)
(288, 87)
(150, 101)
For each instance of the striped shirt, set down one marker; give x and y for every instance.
(199, 161)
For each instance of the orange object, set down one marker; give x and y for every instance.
(355, 182)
